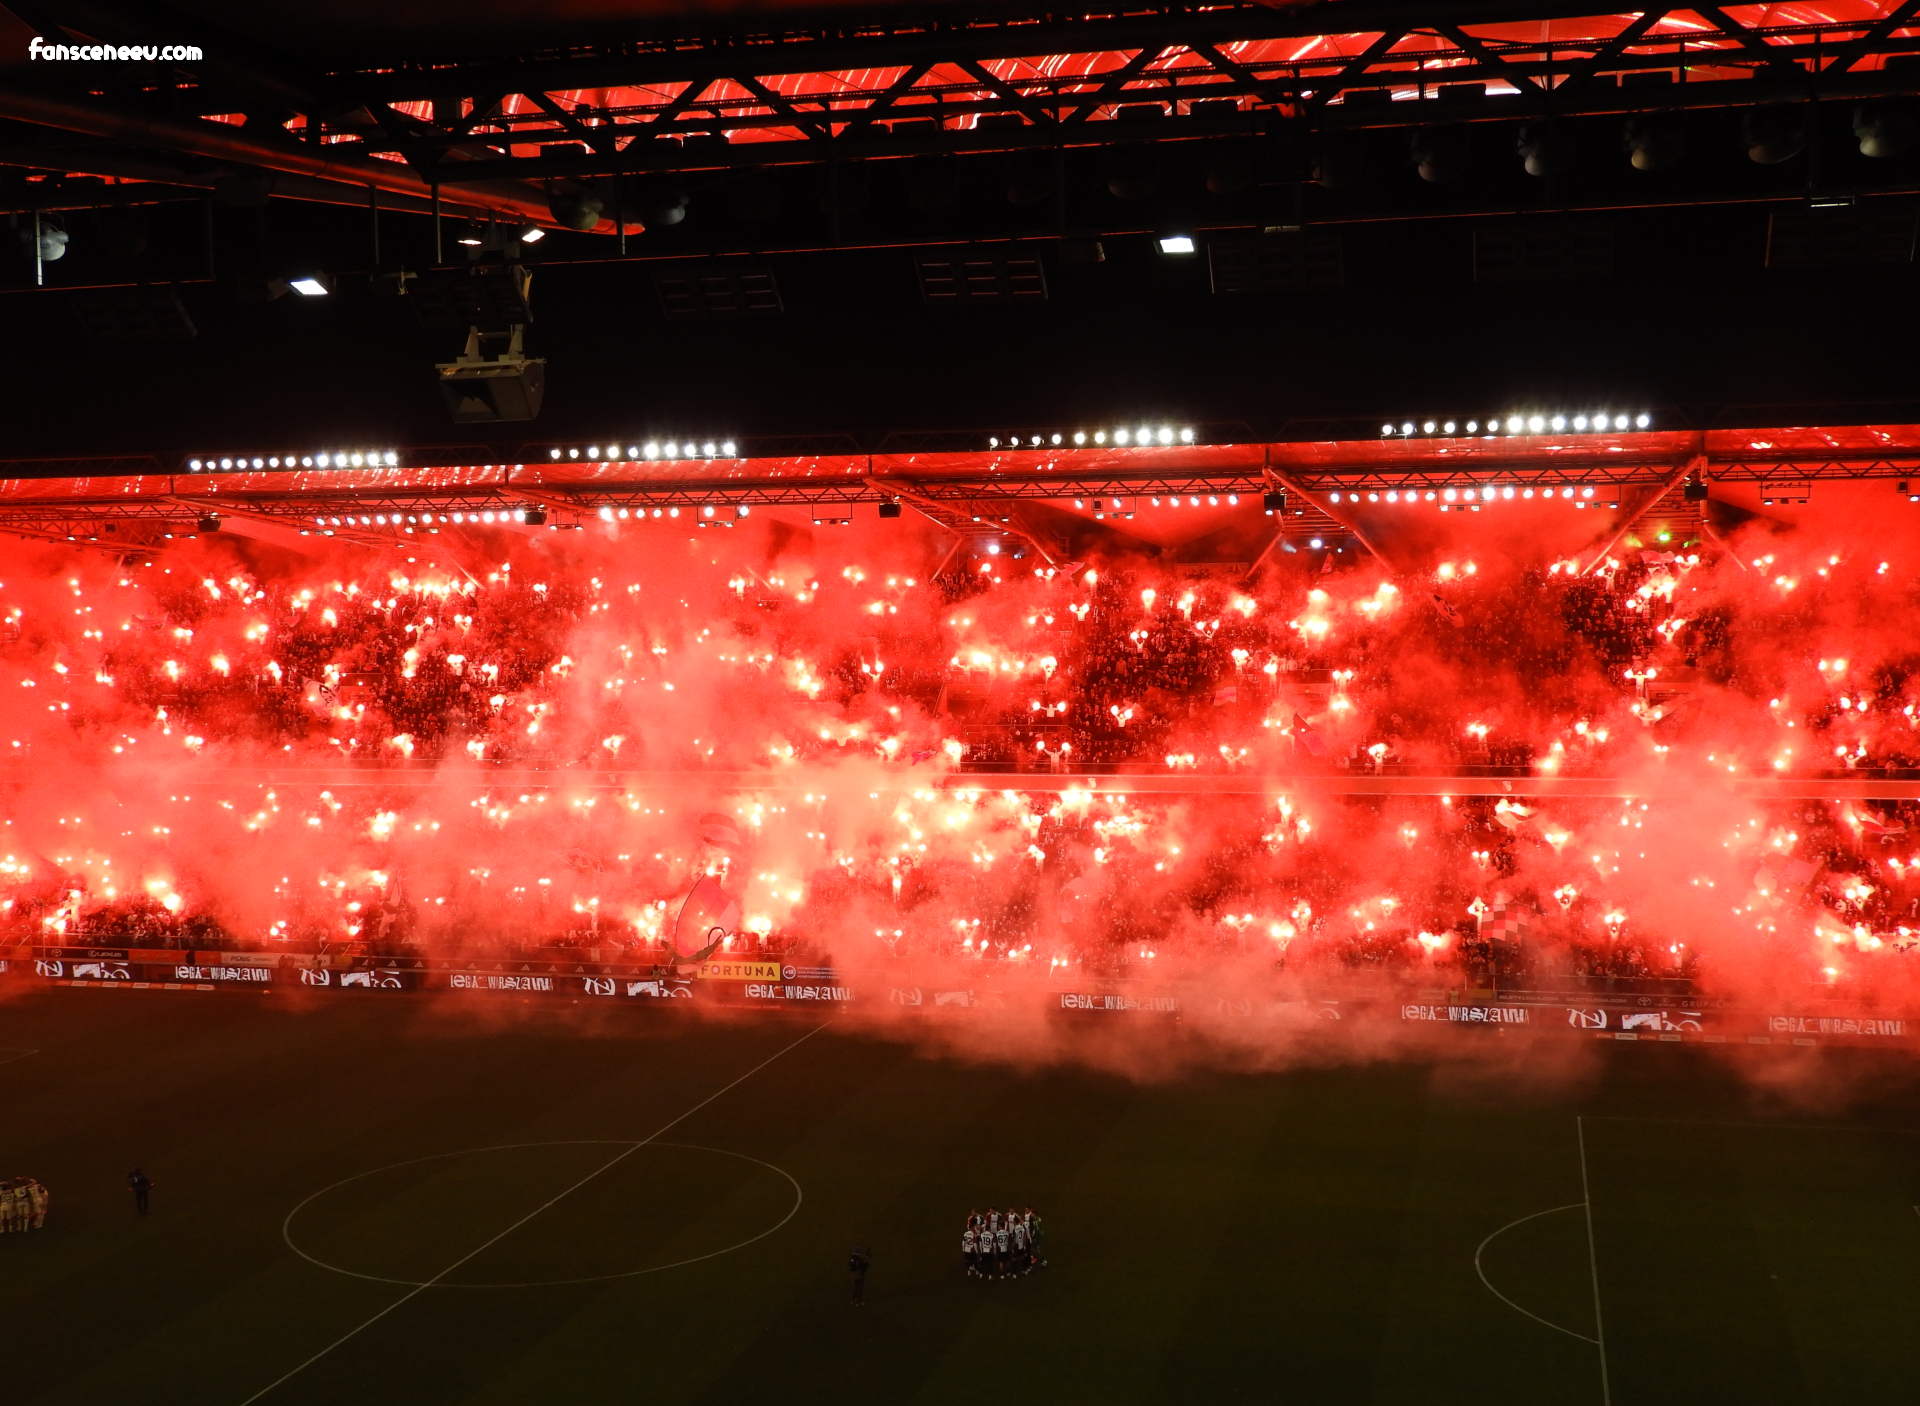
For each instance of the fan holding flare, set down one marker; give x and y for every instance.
(707, 914)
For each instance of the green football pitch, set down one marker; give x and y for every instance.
(400, 1199)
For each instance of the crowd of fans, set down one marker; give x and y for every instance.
(542, 665)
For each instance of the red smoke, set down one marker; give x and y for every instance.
(500, 743)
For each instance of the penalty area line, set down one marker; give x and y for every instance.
(606, 1166)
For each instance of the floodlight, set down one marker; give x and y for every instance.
(532, 234)
(312, 285)
(1176, 244)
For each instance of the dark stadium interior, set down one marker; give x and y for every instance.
(1167, 702)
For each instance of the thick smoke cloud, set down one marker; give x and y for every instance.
(487, 745)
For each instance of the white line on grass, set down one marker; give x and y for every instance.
(608, 1165)
(1593, 1265)
(1571, 1206)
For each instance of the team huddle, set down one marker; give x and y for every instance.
(1003, 1243)
(23, 1205)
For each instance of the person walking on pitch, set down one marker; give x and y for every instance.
(141, 1187)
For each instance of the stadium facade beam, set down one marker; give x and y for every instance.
(823, 94)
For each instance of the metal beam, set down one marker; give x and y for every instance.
(1693, 465)
(221, 142)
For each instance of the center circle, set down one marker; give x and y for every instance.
(536, 1214)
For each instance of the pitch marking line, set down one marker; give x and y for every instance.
(286, 1226)
(8, 1056)
(608, 1165)
(1477, 1269)
(1593, 1264)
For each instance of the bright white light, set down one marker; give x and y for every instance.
(1619, 422)
(1392, 497)
(1166, 435)
(1407, 428)
(1056, 439)
(1314, 543)
(1100, 437)
(1515, 425)
(606, 514)
(1176, 244)
(1586, 493)
(1119, 436)
(633, 451)
(1473, 427)
(1386, 429)
(594, 453)
(1559, 422)
(1536, 424)
(993, 549)
(708, 450)
(1579, 422)
(1448, 427)
(727, 450)
(707, 511)
(554, 452)
(1427, 428)
(1186, 436)
(532, 234)
(392, 458)
(1643, 420)
(1507, 492)
(1335, 497)
(672, 450)
(309, 287)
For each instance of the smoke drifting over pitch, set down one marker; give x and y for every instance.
(551, 738)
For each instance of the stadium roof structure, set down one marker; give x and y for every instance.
(347, 103)
(1711, 207)
(1040, 493)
